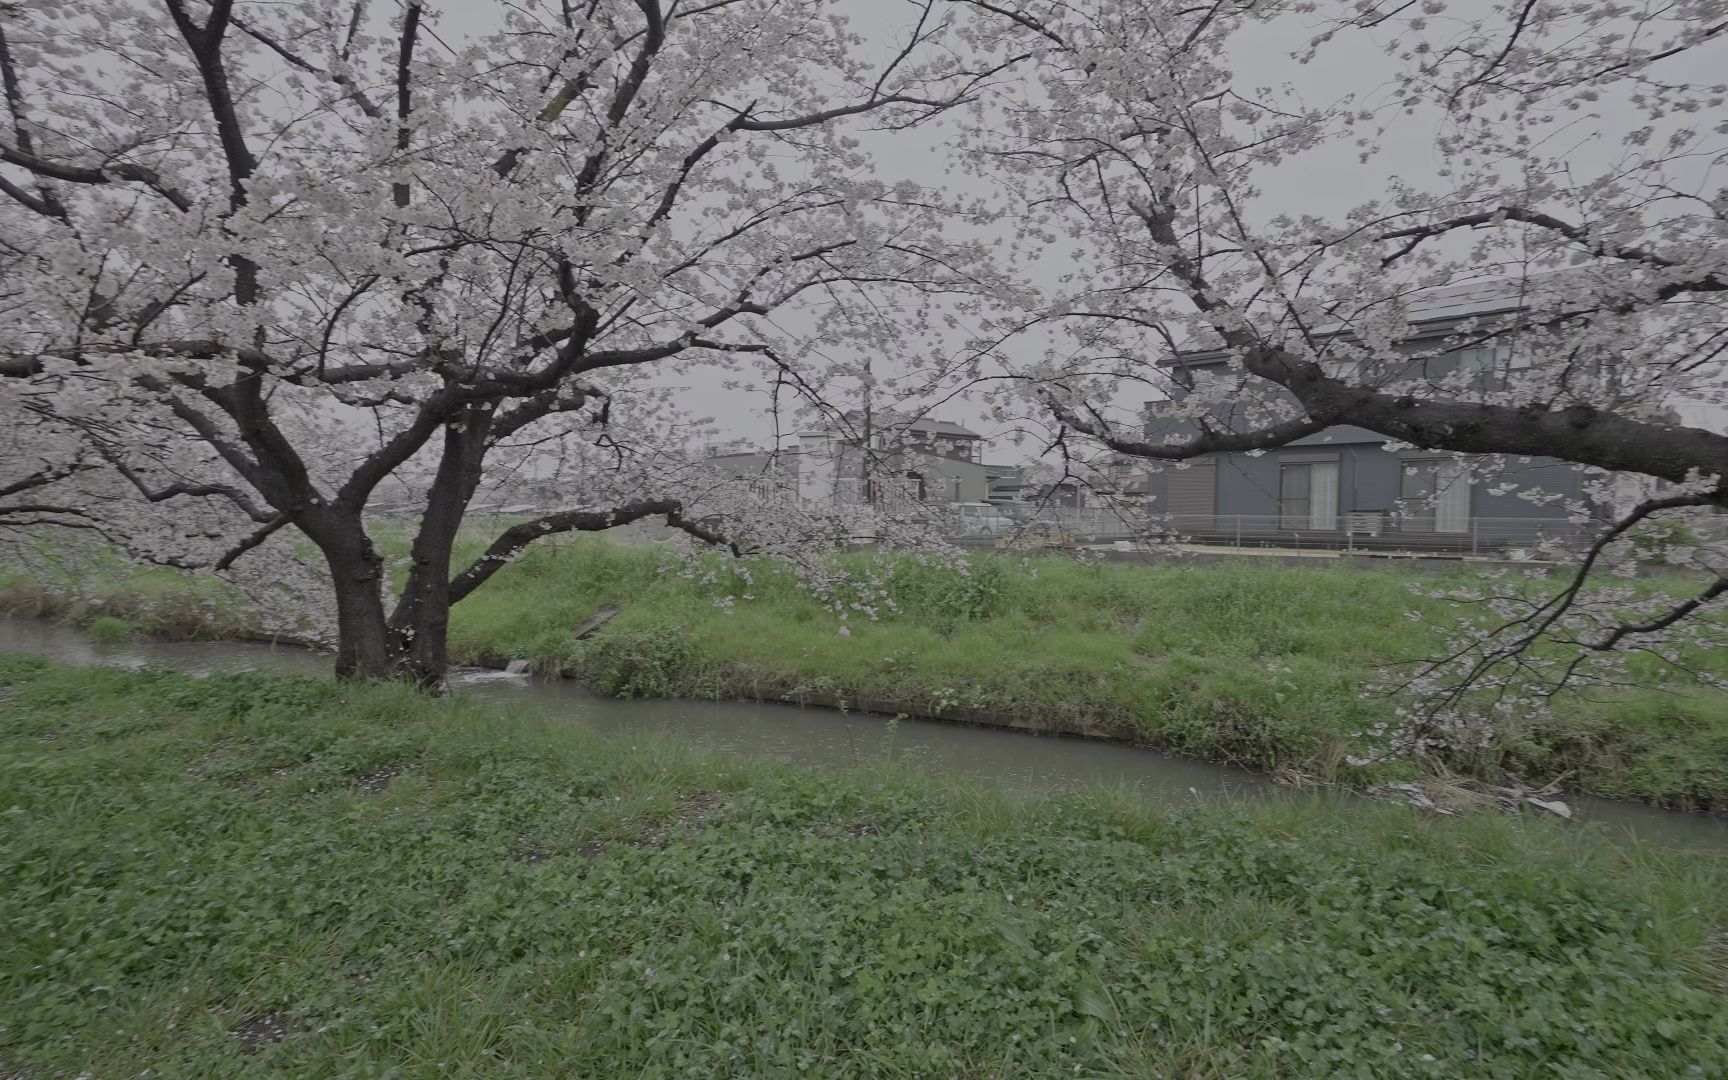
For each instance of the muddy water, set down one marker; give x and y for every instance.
(800, 735)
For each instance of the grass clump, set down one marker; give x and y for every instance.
(275, 876)
(108, 628)
(1246, 663)
(649, 661)
(157, 602)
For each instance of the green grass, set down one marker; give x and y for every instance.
(419, 887)
(109, 628)
(113, 599)
(1252, 664)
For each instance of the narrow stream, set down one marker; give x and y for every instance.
(806, 735)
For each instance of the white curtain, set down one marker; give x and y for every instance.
(1452, 497)
(1323, 493)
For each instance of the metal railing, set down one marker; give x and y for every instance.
(1502, 536)
(1389, 531)
(1367, 532)
(1485, 536)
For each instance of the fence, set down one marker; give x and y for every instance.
(1393, 531)
(1507, 537)
(1516, 538)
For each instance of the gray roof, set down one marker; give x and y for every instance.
(1474, 299)
(929, 427)
(1432, 311)
(943, 427)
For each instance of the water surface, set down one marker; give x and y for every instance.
(819, 736)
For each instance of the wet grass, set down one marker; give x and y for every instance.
(1253, 664)
(206, 877)
(113, 599)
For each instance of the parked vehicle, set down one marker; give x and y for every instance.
(1043, 532)
(981, 519)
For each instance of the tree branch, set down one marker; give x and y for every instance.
(1668, 618)
(514, 539)
(346, 82)
(43, 477)
(1580, 433)
(1206, 443)
(404, 91)
(250, 541)
(1580, 236)
(107, 174)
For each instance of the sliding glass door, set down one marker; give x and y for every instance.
(1308, 495)
(1434, 495)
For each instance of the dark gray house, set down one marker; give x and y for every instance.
(1344, 487)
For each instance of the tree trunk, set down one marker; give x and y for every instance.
(409, 646)
(419, 628)
(410, 643)
(363, 645)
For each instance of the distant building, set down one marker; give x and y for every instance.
(900, 461)
(1119, 478)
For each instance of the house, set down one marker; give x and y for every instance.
(1119, 478)
(887, 462)
(1345, 485)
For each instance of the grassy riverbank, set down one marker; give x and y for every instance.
(204, 877)
(1253, 664)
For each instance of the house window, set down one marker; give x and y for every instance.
(1349, 371)
(1475, 361)
(1434, 495)
(1308, 495)
(1484, 365)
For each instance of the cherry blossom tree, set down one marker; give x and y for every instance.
(272, 257)
(43, 465)
(1575, 146)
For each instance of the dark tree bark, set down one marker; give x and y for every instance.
(419, 627)
(356, 572)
